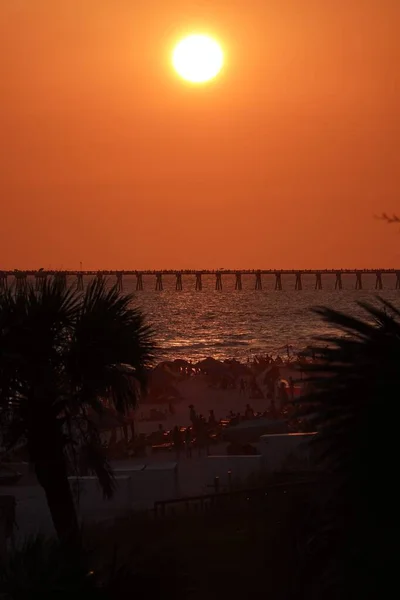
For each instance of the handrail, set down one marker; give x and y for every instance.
(202, 498)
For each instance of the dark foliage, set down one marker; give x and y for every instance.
(63, 354)
(42, 568)
(352, 405)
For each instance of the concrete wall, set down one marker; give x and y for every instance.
(90, 503)
(241, 467)
(138, 487)
(32, 515)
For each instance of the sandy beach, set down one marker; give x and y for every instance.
(204, 393)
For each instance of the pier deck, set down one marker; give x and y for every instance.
(20, 278)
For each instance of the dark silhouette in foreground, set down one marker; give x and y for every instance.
(355, 385)
(331, 537)
(64, 356)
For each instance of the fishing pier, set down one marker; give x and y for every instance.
(20, 278)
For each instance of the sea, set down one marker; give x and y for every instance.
(241, 324)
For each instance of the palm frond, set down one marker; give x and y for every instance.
(109, 333)
(353, 379)
(61, 354)
(89, 453)
(344, 322)
(97, 463)
(354, 386)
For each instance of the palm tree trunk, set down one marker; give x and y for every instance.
(47, 454)
(52, 476)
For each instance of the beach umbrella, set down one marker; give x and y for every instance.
(209, 365)
(206, 363)
(167, 367)
(181, 364)
(237, 368)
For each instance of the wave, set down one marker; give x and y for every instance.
(202, 345)
(196, 325)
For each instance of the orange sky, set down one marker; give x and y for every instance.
(108, 158)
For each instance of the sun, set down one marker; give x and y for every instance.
(197, 58)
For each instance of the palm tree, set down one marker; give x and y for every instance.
(355, 387)
(62, 353)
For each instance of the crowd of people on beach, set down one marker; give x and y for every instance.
(260, 378)
(202, 431)
(197, 435)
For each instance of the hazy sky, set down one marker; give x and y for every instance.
(108, 158)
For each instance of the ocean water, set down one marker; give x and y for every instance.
(193, 324)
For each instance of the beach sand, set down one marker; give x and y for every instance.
(197, 391)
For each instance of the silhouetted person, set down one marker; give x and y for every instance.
(242, 387)
(235, 419)
(283, 395)
(188, 442)
(201, 435)
(177, 441)
(192, 415)
(212, 421)
(160, 434)
(249, 412)
(291, 388)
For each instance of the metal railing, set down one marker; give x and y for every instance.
(203, 502)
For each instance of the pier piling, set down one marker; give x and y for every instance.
(40, 276)
(178, 285)
(199, 283)
(120, 283)
(298, 285)
(139, 281)
(238, 282)
(278, 281)
(338, 281)
(159, 282)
